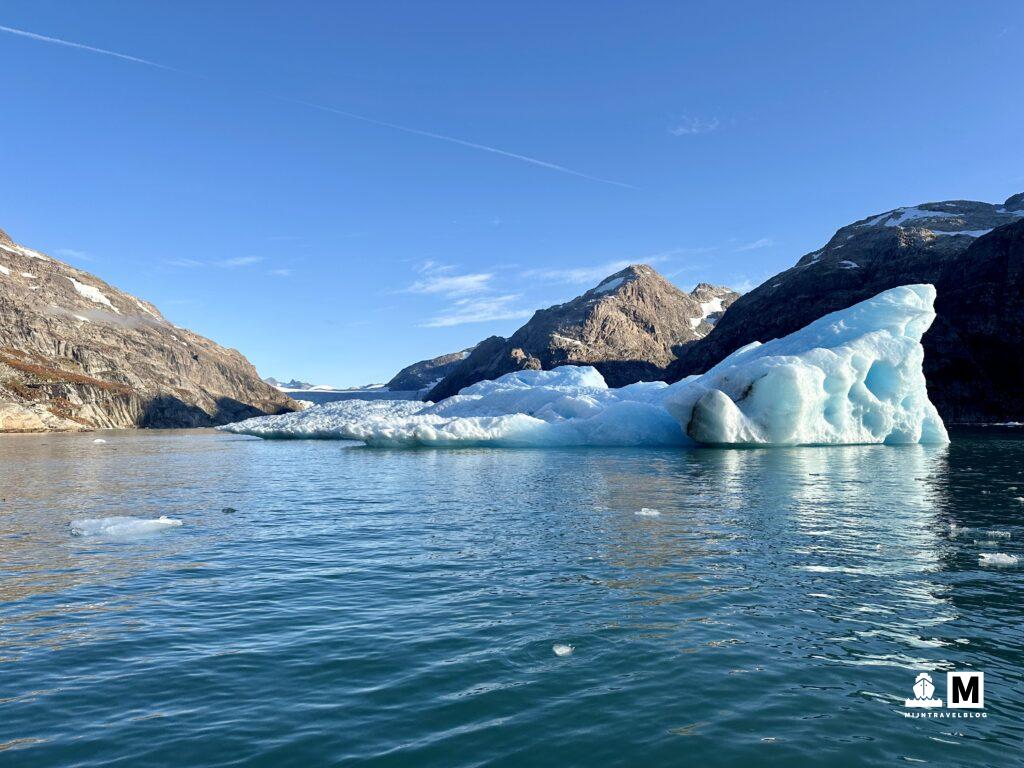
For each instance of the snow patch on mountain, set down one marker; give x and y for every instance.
(92, 293)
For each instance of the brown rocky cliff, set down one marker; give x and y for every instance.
(77, 353)
(629, 327)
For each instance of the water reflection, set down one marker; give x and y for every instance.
(783, 585)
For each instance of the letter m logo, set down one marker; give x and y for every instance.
(965, 690)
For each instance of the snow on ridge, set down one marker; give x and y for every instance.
(899, 216)
(146, 309)
(5, 270)
(711, 307)
(965, 232)
(92, 293)
(609, 285)
(849, 265)
(567, 339)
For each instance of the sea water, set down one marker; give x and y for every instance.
(328, 603)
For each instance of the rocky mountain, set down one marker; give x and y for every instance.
(956, 245)
(629, 327)
(427, 373)
(76, 353)
(972, 354)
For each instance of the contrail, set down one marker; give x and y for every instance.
(80, 46)
(454, 140)
(325, 108)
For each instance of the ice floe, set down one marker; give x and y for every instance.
(561, 649)
(996, 558)
(647, 512)
(123, 527)
(854, 376)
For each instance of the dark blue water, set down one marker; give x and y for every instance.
(371, 607)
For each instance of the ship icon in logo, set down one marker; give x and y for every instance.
(923, 691)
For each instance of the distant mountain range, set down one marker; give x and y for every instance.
(77, 353)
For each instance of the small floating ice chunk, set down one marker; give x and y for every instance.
(99, 441)
(647, 512)
(561, 649)
(999, 534)
(996, 558)
(1019, 499)
(122, 526)
(956, 530)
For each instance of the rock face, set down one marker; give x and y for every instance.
(972, 354)
(427, 373)
(629, 327)
(76, 353)
(937, 243)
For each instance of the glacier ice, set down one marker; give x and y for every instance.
(854, 376)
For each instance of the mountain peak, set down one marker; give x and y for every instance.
(628, 327)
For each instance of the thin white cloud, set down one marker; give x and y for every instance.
(439, 279)
(451, 285)
(280, 272)
(239, 261)
(591, 275)
(324, 108)
(691, 126)
(578, 275)
(233, 263)
(71, 253)
(479, 310)
(764, 242)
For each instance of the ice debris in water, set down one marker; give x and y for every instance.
(647, 512)
(99, 441)
(561, 649)
(123, 526)
(854, 376)
(956, 530)
(996, 558)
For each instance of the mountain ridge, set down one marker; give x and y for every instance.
(77, 353)
(629, 327)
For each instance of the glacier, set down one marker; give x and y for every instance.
(852, 377)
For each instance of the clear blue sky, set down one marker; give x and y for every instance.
(337, 250)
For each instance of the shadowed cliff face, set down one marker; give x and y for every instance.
(427, 373)
(952, 245)
(629, 327)
(972, 354)
(76, 353)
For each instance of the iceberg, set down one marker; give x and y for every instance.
(854, 376)
(122, 527)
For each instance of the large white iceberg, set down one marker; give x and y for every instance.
(854, 376)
